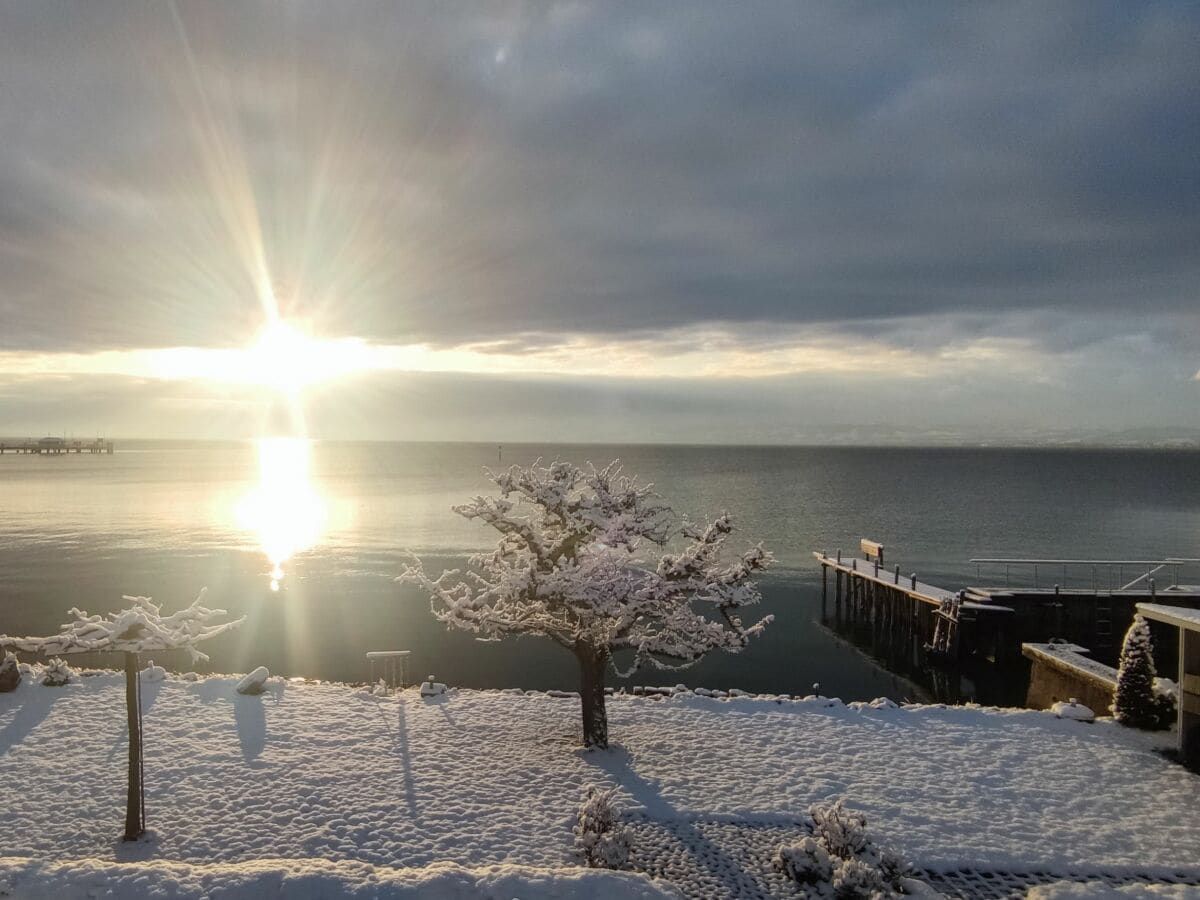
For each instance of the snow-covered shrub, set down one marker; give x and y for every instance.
(57, 673)
(600, 840)
(806, 862)
(839, 859)
(1136, 703)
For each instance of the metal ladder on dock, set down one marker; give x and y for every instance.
(945, 627)
(1102, 621)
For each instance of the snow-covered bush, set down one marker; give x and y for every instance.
(600, 840)
(1136, 702)
(583, 559)
(57, 673)
(839, 859)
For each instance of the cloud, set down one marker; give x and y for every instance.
(731, 190)
(438, 174)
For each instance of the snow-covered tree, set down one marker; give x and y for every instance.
(600, 840)
(1136, 702)
(594, 561)
(138, 629)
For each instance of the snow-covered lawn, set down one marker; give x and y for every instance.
(479, 778)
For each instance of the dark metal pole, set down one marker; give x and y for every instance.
(135, 814)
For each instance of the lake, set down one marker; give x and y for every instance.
(305, 540)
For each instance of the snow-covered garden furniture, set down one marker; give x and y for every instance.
(431, 688)
(140, 628)
(394, 664)
(583, 559)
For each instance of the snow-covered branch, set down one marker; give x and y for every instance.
(138, 629)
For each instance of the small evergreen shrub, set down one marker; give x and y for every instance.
(600, 840)
(1136, 703)
(839, 860)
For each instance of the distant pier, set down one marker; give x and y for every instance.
(1089, 603)
(55, 446)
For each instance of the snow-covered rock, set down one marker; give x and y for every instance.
(1073, 709)
(154, 673)
(883, 703)
(255, 682)
(10, 675)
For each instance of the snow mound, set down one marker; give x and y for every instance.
(312, 879)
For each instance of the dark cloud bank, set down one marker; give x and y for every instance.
(925, 175)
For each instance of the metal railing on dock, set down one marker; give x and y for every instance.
(1094, 575)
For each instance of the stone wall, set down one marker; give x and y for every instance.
(1061, 671)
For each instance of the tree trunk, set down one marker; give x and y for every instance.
(593, 666)
(135, 817)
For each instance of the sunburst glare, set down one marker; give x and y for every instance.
(284, 511)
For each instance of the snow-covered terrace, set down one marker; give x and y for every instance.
(484, 778)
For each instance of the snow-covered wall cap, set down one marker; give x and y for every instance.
(1180, 616)
(138, 629)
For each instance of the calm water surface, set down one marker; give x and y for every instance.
(305, 541)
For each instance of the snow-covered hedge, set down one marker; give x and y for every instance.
(839, 859)
(600, 839)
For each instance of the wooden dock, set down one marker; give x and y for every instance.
(56, 446)
(923, 620)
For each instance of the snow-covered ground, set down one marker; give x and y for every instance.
(487, 778)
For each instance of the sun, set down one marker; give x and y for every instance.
(288, 359)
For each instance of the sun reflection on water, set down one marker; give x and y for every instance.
(285, 511)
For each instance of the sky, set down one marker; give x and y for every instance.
(699, 222)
